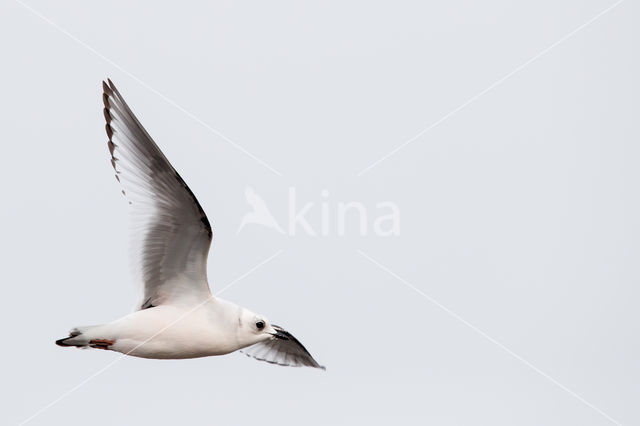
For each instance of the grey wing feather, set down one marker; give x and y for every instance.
(285, 350)
(172, 234)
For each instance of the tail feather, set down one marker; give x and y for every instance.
(76, 338)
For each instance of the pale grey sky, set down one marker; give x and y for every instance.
(519, 213)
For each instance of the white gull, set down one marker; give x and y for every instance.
(178, 317)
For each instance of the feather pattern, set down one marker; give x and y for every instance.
(282, 349)
(171, 235)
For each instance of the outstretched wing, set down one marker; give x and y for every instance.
(172, 234)
(282, 350)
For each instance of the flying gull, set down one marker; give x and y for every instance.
(178, 317)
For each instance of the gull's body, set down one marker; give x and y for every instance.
(174, 332)
(178, 316)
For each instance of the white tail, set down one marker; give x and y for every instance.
(77, 337)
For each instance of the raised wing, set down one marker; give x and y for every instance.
(282, 349)
(171, 232)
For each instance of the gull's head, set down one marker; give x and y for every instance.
(254, 328)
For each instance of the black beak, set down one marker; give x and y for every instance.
(281, 333)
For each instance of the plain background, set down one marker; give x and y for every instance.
(520, 212)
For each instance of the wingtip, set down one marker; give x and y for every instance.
(108, 87)
(60, 342)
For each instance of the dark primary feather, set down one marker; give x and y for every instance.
(285, 350)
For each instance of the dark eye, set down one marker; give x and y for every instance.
(260, 325)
